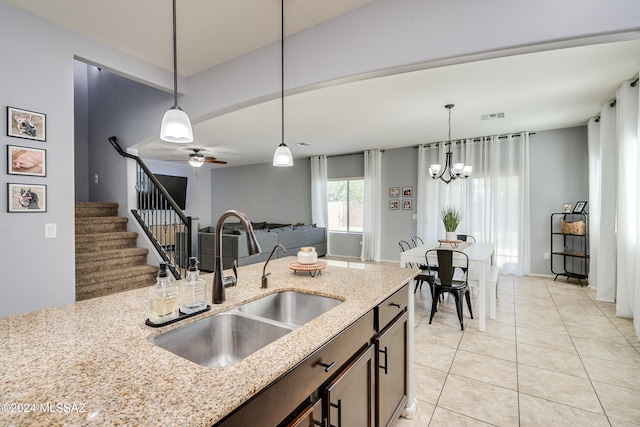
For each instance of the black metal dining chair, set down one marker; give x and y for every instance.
(445, 282)
(423, 276)
(416, 241)
(466, 238)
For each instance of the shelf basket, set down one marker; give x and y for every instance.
(578, 227)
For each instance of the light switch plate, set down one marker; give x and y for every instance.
(49, 231)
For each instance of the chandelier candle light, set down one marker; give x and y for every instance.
(452, 170)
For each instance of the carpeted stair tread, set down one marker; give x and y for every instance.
(110, 275)
(93, 237)
(103, 224)
(111, 254)
(89, 209)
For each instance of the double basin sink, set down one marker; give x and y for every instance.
(230, 336)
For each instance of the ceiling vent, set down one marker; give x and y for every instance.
(493, 116)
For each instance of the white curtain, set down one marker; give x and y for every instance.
(615, 254)
(372, 203)
(593, 136)
(494, 202)
(606, 261)
(319, 182)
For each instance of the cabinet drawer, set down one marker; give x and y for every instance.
(390, 308)
(276, 402)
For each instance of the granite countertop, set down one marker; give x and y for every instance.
(90, 363)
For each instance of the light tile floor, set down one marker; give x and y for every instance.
(554, 356)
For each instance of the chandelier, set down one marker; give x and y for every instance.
(451, 170)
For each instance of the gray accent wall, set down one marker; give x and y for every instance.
(559, 173)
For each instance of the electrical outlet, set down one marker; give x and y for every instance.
(547, 255)
(95, 178)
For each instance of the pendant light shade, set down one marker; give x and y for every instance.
(176, 126)
(282, 157)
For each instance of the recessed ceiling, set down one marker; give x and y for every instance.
(537, 91)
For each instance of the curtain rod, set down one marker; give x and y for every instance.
(613, 103)
(476, 139)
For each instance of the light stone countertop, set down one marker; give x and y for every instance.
(90, 363)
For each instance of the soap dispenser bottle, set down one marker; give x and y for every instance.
(163, 298)
(192, 289)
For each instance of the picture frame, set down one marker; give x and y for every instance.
(580, 206)
(394, 204)
(566, 208)
(406, 204)
(394, 191)
(26, 197)
(407, 191)
(26, 161)
(26, 124)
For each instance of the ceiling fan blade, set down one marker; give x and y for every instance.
(214, 160)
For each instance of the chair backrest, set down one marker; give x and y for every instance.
(404, 245)
(445, 263)
(466, 238)
(416, 241)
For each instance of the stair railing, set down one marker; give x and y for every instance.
(168, 228)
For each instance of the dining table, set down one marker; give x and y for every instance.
(480, 255)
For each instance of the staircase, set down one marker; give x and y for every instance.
(107, 259)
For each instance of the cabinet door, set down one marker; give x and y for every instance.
(350, 396)
(310, 417)
(391, 386)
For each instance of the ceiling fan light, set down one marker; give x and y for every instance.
(196, 161)
(176, 126)
(282, 157)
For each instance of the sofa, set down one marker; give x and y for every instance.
(268, 235)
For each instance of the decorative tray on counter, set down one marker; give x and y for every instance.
(313, 269)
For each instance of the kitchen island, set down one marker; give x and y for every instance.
(91, 362)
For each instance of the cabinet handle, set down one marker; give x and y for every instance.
(339, 406)
(393, 304)
(327, 367)
(385, 360)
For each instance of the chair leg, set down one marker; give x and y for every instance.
(458, 298)
(468, 297)
(434, 304)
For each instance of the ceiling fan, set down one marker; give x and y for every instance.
(197, 159)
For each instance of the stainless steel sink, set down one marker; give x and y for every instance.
(228, 337)
(220, 340)
(290, 307)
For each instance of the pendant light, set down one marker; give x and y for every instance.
(282, 156)
(452, 170)
(176, 126)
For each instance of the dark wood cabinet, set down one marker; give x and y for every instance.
(349, 399)
(391, 387)
(391, 357)
(311, 416)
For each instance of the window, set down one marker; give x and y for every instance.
(346, 205)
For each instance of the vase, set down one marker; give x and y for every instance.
(307, 255)
(451, 236)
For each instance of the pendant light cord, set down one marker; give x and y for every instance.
(175, 59)
(281, 66)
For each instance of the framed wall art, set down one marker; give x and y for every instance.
(406, 204)
(394, 204)
(26, 124)
(394, 191)
(407, 191)
(26, 161)
(26, 197)
(580, 207)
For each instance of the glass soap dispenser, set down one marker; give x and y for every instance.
(192, 289)
(163, 298)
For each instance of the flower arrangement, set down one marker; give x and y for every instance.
(451, 218)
